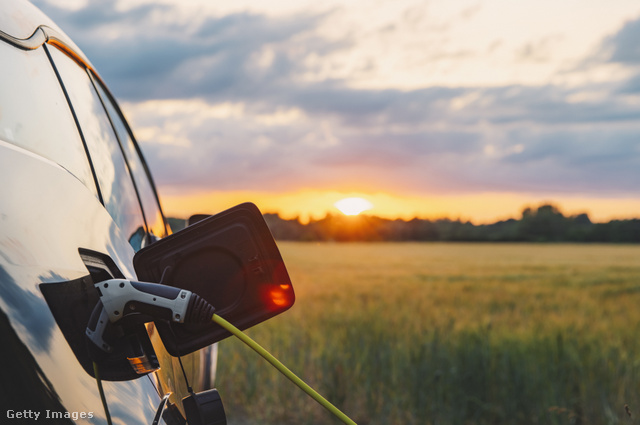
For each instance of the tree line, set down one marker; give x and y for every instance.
(542, 224)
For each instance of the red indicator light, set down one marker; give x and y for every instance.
(280, 296)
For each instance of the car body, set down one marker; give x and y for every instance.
(76, 200)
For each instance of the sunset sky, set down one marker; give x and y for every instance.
(466, 109)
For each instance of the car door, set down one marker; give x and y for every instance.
(129, 196)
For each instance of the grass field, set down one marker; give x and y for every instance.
(429, 333)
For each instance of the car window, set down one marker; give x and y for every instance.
(146, 191)
(34, 113)
(115, 185)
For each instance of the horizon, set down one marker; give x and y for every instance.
(336, 212)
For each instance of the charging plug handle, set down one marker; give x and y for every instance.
(120, 298)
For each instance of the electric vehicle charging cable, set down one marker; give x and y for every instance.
(120, 296)
(283, 369)
(268, 357)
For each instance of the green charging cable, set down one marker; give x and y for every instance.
(283, 369)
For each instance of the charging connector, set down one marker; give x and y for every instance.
(144, 302)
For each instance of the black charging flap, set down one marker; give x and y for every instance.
(231, 260)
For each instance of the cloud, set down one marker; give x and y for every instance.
(622, 47)
(245, 92)
(149, 52)
(539, 50)
(571, 157)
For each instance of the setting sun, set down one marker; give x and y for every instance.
(353, 206)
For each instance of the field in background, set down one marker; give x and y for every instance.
(438, 333)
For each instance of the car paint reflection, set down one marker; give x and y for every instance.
(77, 391)
(30, 387)
(39, 244)
(30, 311)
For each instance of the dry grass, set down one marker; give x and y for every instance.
(429, 333)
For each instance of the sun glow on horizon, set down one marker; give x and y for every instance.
(353, 206)
(482, 208)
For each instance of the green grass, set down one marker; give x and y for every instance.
(430, 333)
